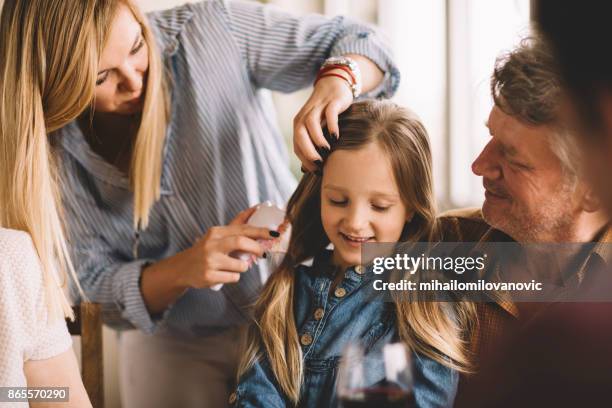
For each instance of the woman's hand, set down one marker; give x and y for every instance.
(331, 96)
(205, 264)
(210, 258)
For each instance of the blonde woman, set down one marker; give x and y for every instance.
(178, 139)
(35, 347)
(376, 187)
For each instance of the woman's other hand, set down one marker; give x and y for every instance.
(205, 264)
(331, 96)
(210, 259)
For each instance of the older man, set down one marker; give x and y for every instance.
(534, 193)
(530, 166)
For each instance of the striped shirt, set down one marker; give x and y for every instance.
(223, 153)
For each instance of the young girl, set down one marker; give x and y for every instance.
(375, 186)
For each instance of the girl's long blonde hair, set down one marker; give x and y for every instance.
(49, 54)
(426, 327)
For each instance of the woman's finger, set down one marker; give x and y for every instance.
(301, 158)
(216, 277)
(219, 233)
(303, 143)
(243, 216)
(313, 125)
(241, 243)
(246, 230)
(226, 262)
(331, 116)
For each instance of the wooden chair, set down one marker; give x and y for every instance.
(88, 325)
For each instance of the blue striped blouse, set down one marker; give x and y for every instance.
(223, 153)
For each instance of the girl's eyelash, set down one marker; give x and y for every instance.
(344, 202)
(100, 81)
(138, 47)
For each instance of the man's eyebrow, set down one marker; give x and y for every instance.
(133, 46)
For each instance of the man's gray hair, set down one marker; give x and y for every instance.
(526, 85)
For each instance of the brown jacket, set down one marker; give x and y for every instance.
(498, 322)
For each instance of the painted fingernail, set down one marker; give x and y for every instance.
(319, 163)
(275, 234)
(335, 136)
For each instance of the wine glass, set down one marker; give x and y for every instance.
(382, 378)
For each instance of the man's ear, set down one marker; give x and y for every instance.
(590, 201)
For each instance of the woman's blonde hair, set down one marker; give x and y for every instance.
(49, 55)
(146, 161)
(426, 327)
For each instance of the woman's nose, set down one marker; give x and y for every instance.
(131, 80)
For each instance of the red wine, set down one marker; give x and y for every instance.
(379, 397)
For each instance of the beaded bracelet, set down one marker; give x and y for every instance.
(352, 67)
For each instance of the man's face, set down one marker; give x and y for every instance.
(527, 195)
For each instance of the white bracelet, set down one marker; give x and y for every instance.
(353, 66)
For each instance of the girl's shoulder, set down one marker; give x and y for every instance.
(15, 244)
(7, 233)
(27, 327)
(19, 263)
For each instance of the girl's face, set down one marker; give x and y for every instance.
(123, 67)
(360, 202)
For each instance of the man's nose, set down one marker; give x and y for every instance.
(487, 162)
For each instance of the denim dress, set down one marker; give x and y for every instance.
(326, 323)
